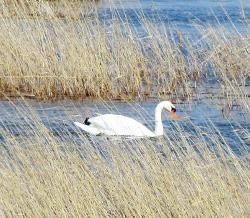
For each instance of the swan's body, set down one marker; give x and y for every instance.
(111, 124)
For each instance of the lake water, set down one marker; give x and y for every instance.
(17, 118)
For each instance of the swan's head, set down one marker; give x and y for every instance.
(169, 106)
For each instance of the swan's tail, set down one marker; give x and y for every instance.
(87, 128)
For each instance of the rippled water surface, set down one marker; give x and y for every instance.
(181, 13)
(18, 118)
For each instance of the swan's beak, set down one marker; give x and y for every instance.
(173, 113)
(173, 110)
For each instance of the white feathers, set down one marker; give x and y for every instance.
(112, 124)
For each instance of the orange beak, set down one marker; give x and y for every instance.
(173, 113)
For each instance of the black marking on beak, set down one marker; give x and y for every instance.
(173, 110)
(86, 122)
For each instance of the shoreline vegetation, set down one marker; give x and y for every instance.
(45, 55)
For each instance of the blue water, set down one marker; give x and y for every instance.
(182, 14)
(21, 119)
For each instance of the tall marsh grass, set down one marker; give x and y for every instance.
(50, 56)
(69, 174)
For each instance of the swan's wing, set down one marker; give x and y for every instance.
(119, 125)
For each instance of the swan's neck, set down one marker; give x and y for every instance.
(158, 121)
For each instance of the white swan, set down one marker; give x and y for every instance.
(112, 124)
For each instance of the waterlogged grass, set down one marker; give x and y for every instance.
(51, 57)
(81, 59)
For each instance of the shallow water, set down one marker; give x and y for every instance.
(20, 118)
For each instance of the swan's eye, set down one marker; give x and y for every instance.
(173, 109)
